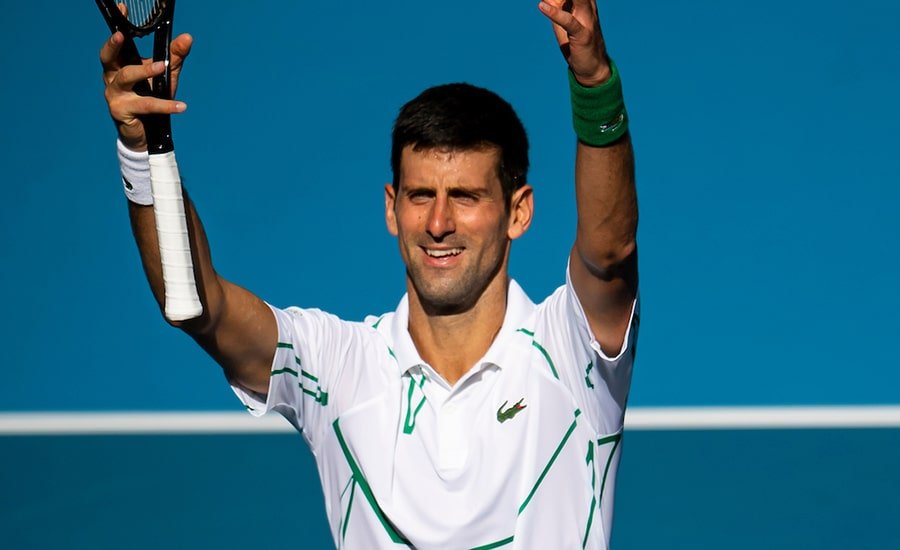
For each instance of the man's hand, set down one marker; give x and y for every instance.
(577, 30)
(125, 106)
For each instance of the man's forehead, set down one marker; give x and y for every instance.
(464, 165)
(447, 152)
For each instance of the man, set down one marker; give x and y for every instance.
(469, 417)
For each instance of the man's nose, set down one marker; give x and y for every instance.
(440, 218)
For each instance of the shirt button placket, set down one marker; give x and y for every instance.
(452, 441)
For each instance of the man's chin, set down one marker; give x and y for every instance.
(444, 300)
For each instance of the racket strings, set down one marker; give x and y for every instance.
(142, 13)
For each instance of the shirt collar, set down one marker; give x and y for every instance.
(518, 308)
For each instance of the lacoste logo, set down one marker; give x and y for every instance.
(503, 416)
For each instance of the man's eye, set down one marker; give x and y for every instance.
(465, 198)
(419, 195)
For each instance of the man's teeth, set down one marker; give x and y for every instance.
(443, 253)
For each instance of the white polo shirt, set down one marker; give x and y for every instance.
(520, 453)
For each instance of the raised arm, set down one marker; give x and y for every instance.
(236, 328)
(603, 263)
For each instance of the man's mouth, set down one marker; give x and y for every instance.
(443, 253)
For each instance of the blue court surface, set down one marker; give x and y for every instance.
(708, 489)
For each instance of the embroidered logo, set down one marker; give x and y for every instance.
(503, 416)
(613, 124)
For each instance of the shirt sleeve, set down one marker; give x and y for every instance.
(301, 372)
(598, 382)
(323, 366)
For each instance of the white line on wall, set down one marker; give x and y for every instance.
(637, 418)
(786, 417)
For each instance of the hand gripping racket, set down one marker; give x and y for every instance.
(141, 18)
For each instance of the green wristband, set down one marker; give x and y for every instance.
(598, 113)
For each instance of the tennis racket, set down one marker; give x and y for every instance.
(141, 18)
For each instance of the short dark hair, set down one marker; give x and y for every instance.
(461, 117)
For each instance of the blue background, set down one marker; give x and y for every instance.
(766, 137)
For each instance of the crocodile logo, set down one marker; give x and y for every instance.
(508, 414)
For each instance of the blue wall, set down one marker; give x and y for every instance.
(766, 144)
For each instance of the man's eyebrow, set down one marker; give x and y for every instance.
(468, 190)
(476, 189)
(455, 191)
(417, 188)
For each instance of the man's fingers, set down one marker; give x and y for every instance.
(561, 17)
(151, 105)
(109, 53)
(110, 57)
(129, 75)
(181, 47)
(126, 108)
(586, 6)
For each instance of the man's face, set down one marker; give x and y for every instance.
(452, 224)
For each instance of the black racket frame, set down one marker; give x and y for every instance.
(158, 128)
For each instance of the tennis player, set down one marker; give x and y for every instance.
(469, 417)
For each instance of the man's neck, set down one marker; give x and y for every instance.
(452, 344)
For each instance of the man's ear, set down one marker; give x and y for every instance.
(521, 211)
(389, 217)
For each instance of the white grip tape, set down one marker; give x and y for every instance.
(182, 299)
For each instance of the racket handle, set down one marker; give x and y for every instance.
(182, 298)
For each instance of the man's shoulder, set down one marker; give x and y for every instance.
(556, 305)
(315, 322)
(375, 321)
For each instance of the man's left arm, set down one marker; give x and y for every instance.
(603, 262)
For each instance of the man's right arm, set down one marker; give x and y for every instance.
(236, 328)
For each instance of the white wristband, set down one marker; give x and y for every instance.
(135, 167)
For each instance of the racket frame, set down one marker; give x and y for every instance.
(157, 128)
